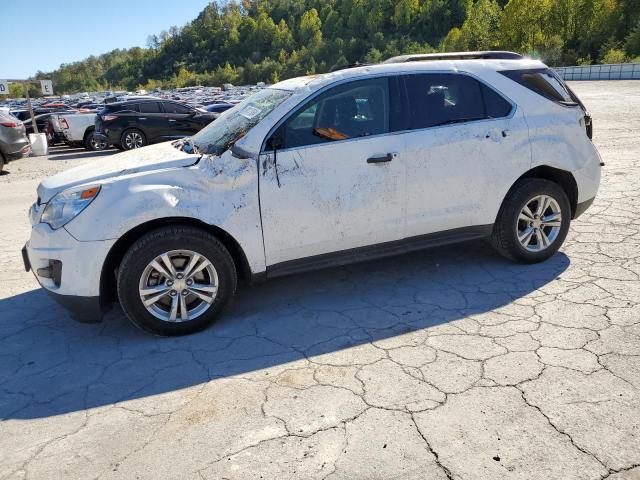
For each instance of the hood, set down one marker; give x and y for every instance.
(155, 157)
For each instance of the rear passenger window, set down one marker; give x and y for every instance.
(441, 99)
(544, 82)
(150, 107)
(170, 107)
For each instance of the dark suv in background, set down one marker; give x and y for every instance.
(136, 123)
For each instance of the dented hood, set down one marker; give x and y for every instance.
(155, 157)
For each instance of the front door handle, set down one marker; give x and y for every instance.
(142, 118)
(171, 120)
(387, 158)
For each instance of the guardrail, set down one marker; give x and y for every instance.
(613, 71)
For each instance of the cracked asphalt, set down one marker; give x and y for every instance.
(446, 364)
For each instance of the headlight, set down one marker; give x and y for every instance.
(66, 205)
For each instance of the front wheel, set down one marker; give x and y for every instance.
(175, 280)
(92, 143)
(533, 221)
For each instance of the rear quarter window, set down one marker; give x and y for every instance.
(544, 82)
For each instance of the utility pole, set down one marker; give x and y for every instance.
(33, 117)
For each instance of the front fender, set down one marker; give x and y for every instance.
(220, 191)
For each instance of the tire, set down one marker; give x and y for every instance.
(133, 138)
(2, 162)
(91, 143)
(175, 242)
(510, 226)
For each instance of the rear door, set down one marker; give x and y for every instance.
(465, 146)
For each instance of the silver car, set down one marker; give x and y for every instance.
(14, 143)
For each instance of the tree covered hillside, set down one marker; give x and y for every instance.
(269, 40)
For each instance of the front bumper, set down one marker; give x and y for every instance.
(112, 138)
(69, 270)
(82, 309)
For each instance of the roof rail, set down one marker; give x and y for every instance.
(488, 55)
(351, 65)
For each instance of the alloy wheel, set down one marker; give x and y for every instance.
(178, 286)
(133, 140)
(539, 223)
(97, 144)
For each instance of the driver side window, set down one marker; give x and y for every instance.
(356, 109)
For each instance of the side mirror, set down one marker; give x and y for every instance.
(276, 142)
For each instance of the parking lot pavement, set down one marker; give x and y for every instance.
(452, 363)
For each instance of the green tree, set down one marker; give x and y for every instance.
(480, 30)
(310, 31)
(632, 41)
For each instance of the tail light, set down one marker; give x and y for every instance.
(64, 123)
(108, 118)
(10, 124)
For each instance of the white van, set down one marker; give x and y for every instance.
(318, 171)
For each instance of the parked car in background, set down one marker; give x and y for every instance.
(218, 107)
(14, 143)
(54, 107)
(134, 124)
(53, 129)
(79, 130)
(53, 132)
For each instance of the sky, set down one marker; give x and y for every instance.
(41, 35)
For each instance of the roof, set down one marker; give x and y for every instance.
(471, 62)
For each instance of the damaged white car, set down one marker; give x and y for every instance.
(320, 171)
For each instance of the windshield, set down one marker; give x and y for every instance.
(234, 124)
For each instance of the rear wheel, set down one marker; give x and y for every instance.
(533, 221)
(176, 280)
(1, 162)
(92, 143)
(133, 138)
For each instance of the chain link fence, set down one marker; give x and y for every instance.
(614, 71)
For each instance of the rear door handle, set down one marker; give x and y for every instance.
(387, 158)
(142, 118)
(171, 120)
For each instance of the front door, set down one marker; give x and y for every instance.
(336, 180)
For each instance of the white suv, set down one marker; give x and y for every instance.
(318, 171)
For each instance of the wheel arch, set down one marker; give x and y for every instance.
(563, 178)
(90, 128)
(108, 287)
